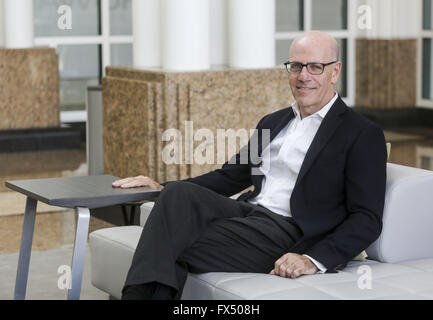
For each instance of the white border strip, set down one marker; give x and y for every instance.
(73, 116)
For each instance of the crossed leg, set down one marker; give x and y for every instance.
(193, 229)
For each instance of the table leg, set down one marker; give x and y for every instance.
(79, 253)
(132, 216)
(25, 250)
(125, 214)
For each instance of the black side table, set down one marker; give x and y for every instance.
(80, 193)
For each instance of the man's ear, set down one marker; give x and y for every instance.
(336, 71)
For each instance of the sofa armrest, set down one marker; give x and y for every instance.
(145, 209)
(407, 232)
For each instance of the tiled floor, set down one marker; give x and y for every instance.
(54, 228)
(45, 281)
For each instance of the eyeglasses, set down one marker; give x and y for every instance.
(313, 68)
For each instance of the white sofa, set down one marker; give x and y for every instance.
(399, 263)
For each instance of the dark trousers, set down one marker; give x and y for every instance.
(193, 229)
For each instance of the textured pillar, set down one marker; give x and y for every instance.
(185, 34)
(146, 31)
(161, 103)
(385, 73)
(386, 55)
(18, 23)
(29, 88)
(251, 33)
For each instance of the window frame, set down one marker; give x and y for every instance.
(105, 40)
(423, 34)
(348, 34)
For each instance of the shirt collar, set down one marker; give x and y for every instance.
(321, 113)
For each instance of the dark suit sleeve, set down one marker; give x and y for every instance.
(233, 177)
(365, 181)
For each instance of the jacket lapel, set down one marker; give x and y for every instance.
(275, 129)
(327, 128)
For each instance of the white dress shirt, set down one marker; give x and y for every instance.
(285, 155)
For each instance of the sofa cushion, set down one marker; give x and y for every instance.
(389, 281)
(112, 250)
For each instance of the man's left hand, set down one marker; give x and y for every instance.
(293, 265)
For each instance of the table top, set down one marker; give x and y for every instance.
(83, 191)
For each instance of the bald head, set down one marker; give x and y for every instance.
(317, 41)
(314, 86)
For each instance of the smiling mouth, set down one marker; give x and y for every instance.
(305, 88)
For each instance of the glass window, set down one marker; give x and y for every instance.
(426, 163)
(79, 67)
(426, 85)
(341, 86)
(329, 14)
(121, 54)
(282, 49)
(426, 15)
(85, 16)
(120, 17)
(426, 69)
(289, 15)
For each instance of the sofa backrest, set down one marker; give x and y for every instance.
(407, 232)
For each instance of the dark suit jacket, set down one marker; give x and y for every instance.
(339, 194)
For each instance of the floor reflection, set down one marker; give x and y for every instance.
(411, 147)
(52, 230)
(54, 226)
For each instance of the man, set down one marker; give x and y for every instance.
(317, 207)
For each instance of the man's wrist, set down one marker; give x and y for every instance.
(319, 266)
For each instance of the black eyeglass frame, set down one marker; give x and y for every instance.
(286, 64)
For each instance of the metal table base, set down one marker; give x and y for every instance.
(78, 255)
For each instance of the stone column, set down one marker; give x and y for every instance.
(185, 29)
(18, 23)
(139, 138)
(146, 30)
(251, 33)
(29, 77)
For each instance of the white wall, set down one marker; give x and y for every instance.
(146, 32)
(2, 37)
(196, 34)
(218, 32)
(392, 19)
(18, 23)
(185, 34)
(251, 33)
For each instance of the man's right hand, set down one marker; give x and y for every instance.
(138, 181)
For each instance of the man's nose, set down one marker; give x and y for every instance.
(304, 74)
